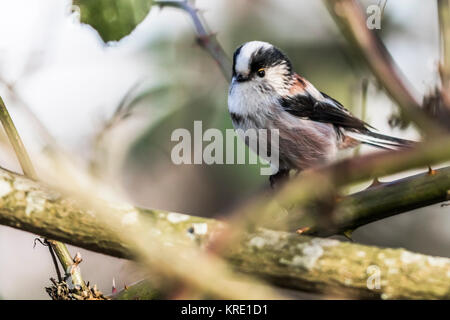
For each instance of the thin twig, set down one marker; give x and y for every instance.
(206, 39)
(55, 262)
(382, 6)
(45, 243)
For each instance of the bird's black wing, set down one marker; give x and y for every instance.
(329, 110)
(325, 110)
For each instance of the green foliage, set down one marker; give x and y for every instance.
(113, 19)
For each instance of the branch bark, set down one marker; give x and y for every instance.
(285, 259)
(385, 200)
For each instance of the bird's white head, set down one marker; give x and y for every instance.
(261, 66)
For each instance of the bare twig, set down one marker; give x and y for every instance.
(206, 39)
(382, 6)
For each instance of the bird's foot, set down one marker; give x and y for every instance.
(431, 171)
(279, 178)
(302, 230)
(348, 234)
(375, 183)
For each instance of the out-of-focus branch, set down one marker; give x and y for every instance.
(350, 17)
(16, 142)
(285, 259)
(206, 39)
(444, 26)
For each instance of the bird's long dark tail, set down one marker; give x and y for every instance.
(381, 141)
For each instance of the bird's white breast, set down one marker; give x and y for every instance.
(244, 99)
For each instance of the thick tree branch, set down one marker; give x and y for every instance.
(285, 259)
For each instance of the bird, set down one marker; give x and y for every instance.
(266, 93)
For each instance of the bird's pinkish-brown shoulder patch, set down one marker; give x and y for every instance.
(348, 142)
(298, 86)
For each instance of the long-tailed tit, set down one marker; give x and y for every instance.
(266, 93)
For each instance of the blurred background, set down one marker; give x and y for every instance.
(59, 71)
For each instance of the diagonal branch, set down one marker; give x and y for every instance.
(382, 201)
(16, 142)
(351, 19)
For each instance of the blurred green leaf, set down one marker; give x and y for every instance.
(113, 19)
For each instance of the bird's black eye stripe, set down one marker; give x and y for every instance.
(266, 58)
(263, 58)
(236, 53)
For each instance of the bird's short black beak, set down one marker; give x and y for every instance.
(241, 78)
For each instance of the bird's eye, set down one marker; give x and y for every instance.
(261, 73)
